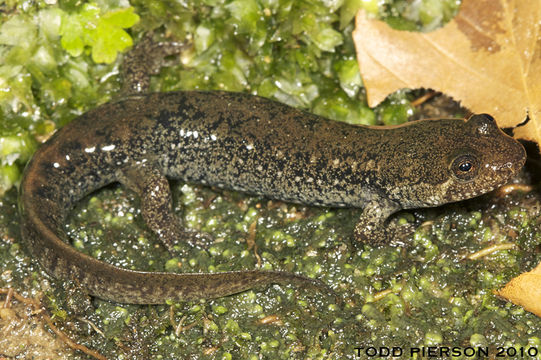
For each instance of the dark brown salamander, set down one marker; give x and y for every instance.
(250, 144)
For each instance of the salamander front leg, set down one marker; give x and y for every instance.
(156, 206)
(374, 227)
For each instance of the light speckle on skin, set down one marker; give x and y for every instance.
(370, 165)
(108, 147)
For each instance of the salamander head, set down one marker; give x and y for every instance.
(455, 160)
(482, 160)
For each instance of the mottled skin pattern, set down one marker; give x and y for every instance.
(251, 144)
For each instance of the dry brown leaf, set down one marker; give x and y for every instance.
(525, 290)
(488, 57)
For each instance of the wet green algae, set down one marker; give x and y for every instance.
(434, 295)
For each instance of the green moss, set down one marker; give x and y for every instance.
(103, 33)
(397, 109)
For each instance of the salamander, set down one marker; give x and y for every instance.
(250, 144)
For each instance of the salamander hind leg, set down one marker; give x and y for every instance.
(374, 226)
(156, 206)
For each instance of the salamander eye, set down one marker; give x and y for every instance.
(464, 167)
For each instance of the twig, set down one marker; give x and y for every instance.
(380, 295)
(251, 241)
(489, 250)
(180, 328)
(271, 319)
(422, 99)
(39, 309)
(92, 325)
